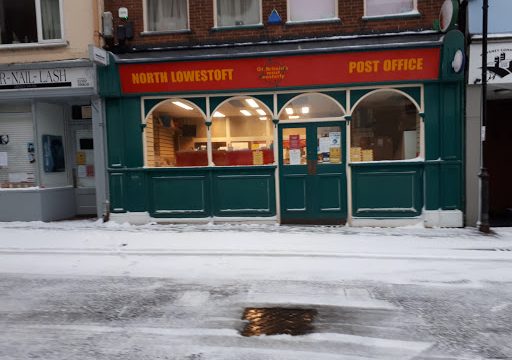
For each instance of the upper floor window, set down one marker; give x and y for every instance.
(166, 15)
(30, 21)
(238, 12)
(389, 7)
(307, 10)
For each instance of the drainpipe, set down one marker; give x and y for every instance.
(483, 218)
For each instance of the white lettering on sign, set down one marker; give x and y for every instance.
(44, 78)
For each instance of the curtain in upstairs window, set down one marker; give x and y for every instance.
(167, 15)
(307, 10)
(388, 7)
(50, 16)
(238, 12)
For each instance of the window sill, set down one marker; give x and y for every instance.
(61, 43)
(410, 14)
(165, 32)
(237, 27)
(312, 22)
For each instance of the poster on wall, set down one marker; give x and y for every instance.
(53, 153)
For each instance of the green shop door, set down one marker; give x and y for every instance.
(312, 178)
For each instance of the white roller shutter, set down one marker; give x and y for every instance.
(20, 130)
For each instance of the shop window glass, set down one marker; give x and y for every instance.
(311, 106)
(242, 133)
(238, 12)
(18, 21)
(389, 7)
(176, 135)
(167, 15)
(385, 126)
(307, 10)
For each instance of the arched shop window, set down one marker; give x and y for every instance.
(242, 133)
(385, 126)
(311, 106)
(176, 135)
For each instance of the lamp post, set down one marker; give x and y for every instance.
(483, 216)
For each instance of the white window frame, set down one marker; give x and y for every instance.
(156, 32)
(413, 12)
(216, 23)
(335, 18)
(39, 26)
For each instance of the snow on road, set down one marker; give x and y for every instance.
(88, 290)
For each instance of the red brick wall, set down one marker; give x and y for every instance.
(202, 32)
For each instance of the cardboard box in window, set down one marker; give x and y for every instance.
(355, 154)
(383, 148)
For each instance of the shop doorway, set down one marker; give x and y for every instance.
(497, 148)
(312, 176)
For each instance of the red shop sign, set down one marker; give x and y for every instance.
(283, 71)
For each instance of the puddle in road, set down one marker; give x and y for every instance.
(275, 321)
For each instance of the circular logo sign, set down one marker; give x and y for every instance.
(448, 15)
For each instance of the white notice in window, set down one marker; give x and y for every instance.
(294, 156)
(3, 159)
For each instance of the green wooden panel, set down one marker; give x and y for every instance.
(115, 133)
(330, 192)
(282, 99)
(355, 95)
(215, 101)
(199, 101)
(294, 195)
(452, 41)
(243, 194)
(117, 193)
(432, 124)
(413, 92)
(432, 186)
(150, 104)
(388, 191)
(267, 99)
(451, 191)
(108, 79)
(131, 123)
(179, 195)
(136, 191)
(339, 96)
(451, 122)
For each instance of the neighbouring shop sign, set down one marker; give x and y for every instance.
(80, 77)
(499, 63)
(284, 71)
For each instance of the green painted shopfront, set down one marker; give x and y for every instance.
(363, 131)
